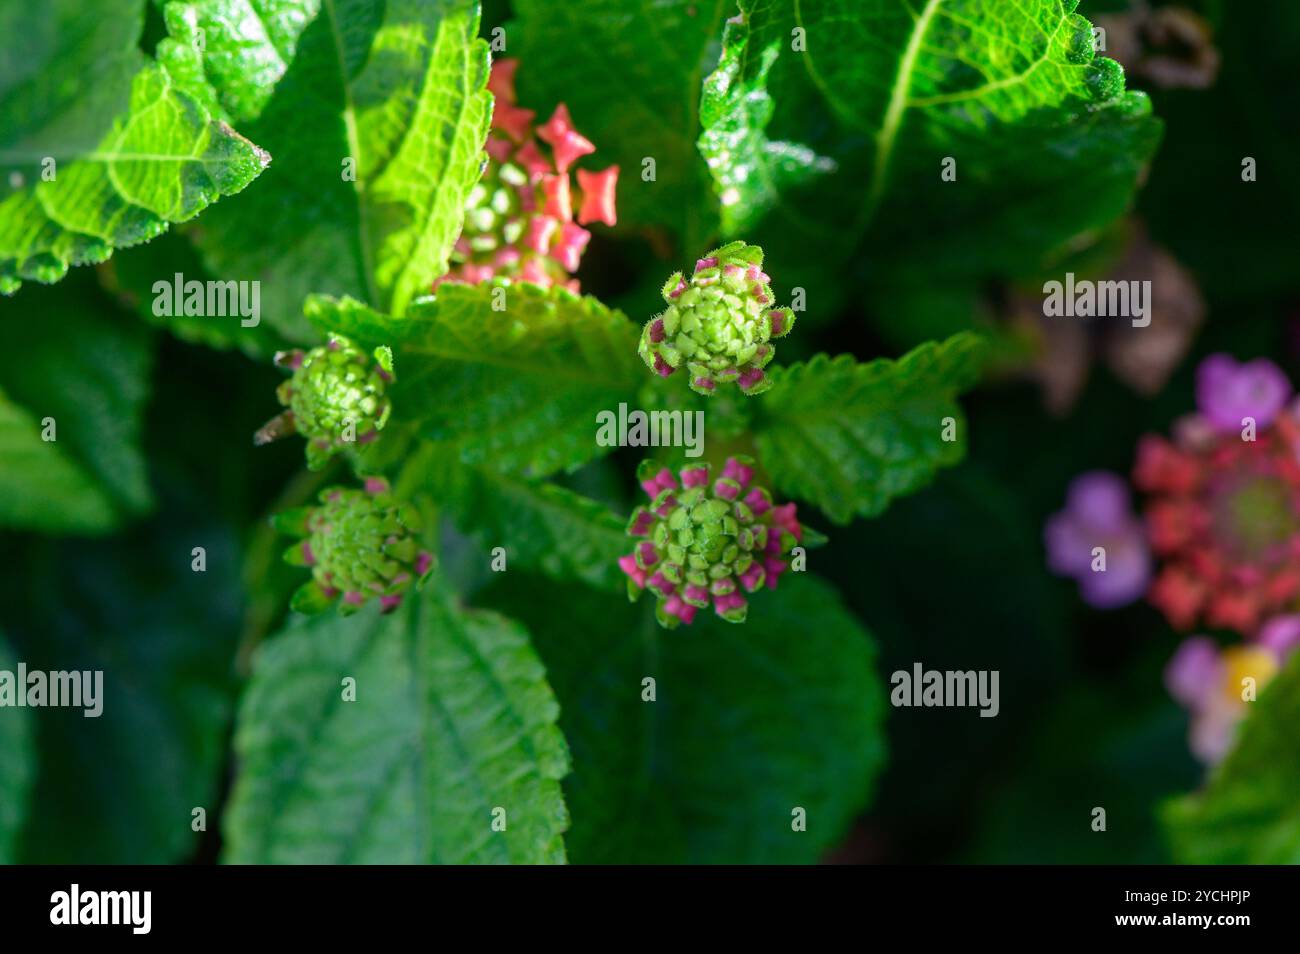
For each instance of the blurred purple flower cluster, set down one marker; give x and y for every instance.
(1218, 542)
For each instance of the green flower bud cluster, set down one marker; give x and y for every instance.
(719, 323)
(706, 542)
(359, 544)
(336, 397)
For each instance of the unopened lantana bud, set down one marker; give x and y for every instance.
(519, 217)
(719, 323)
(359, 544)
(335, 398)
(704, 541)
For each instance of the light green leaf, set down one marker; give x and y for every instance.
(516, 386)
(452, 720)
(102, 148)
(748, 723)
(1249, 813)
(71, 361)
(849, 437)
(750, 172)
(17, 766)
(244, 47)
(630, 74)
(540, 525)
(395, 93)
(1041, 139)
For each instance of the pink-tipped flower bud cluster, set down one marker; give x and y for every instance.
(336, 398)
(719, 323)
(360, 544)
(705, 542)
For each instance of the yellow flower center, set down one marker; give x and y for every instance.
(1246, 662)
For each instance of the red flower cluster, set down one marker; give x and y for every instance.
(519, 220)
(1223, 516)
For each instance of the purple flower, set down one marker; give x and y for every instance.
(1097, 514)
(1227, 391)
(1210, 683)
(1280, 635)
(1194, 671)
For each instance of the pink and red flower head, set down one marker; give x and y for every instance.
(1223, 501)
(1221, 515)
(519, 219)
(1222, 522)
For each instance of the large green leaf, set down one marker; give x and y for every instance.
(103, 147)
(17, 766)
(540, 525)
(513, 375)
(1046, 142)
(71, 358)
(749, 723)
(750, 171)
(452, 720)
(245, 46)
(630, 74)
(1250, 811)
(122, 787)
(849, 437)
(396, 91)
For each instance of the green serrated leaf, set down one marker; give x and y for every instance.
(103, 148)
(17, 765)
(849, 437)
(378, 129)
(1039, 138)
(514, 375)
(540, 525)
(1249, 812)
(452, 720)
(630, 75)
(750, 172)
(712, 769)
